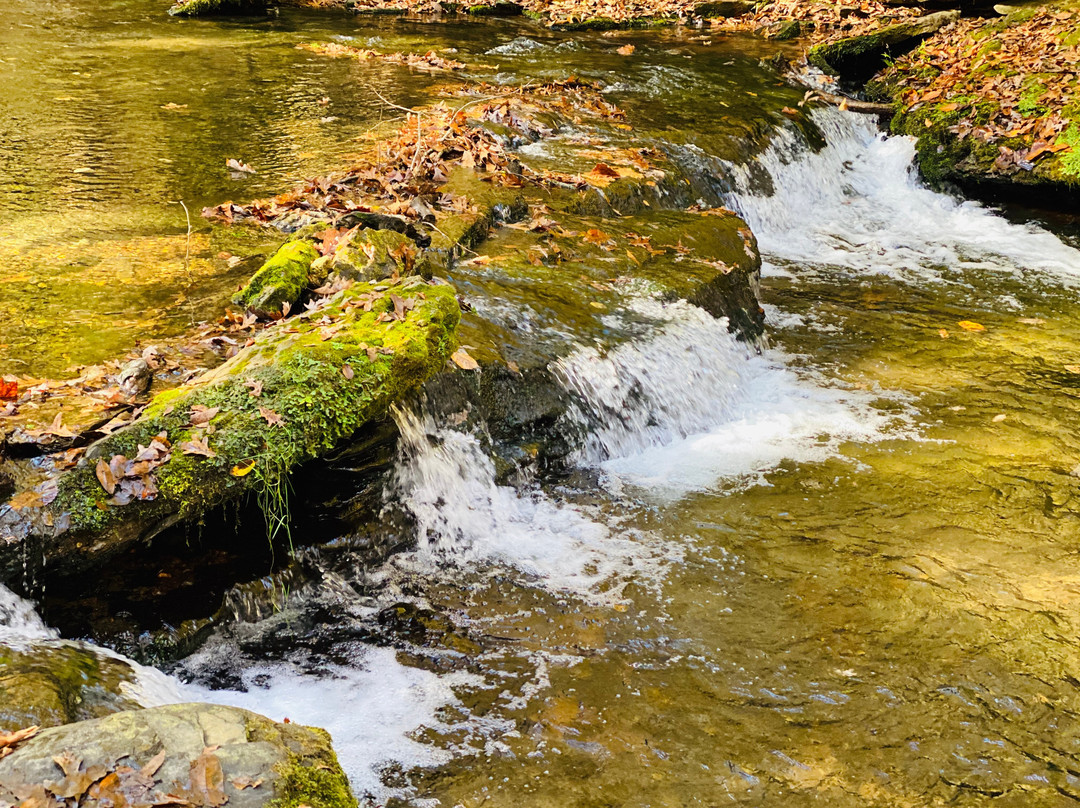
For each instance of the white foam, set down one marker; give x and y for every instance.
(858, 204)
(19, 622)
(371, 711)
(689, 407)
(464, 518)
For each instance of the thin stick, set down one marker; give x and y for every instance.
(187, 261)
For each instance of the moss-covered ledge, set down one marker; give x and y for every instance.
(302, 387)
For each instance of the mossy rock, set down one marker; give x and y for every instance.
(374, 255)
(324, 385)
(724, 8)
(284, 278)
(262, 763)
(53, 683)
(197, 8)
(857, 58)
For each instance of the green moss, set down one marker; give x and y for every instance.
(302, 783)
(57, 683)
(302, 381)
(282, 279)
(1070, 160)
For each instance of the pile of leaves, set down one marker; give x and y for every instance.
(820, 22)
(427, 61)
(1011, 82)
(570, 12)
(404, 174)
(122, 785)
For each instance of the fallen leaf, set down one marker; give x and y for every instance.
(243, 468)
(196, 446)
(272, 418)
(236, 165)
(971, 325)
(201, 415)
(9, 389)
(347, 371)
(625, 50)
(997, 419)
(255, 387)
(105, 477)
(463, 360)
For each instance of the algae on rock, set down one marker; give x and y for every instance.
(56, 682)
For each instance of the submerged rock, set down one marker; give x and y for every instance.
(55, 682)
(188, 754)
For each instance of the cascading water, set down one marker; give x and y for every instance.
(859, 205)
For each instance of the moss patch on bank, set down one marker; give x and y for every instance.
(994, 101)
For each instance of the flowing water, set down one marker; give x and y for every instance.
(837, 570)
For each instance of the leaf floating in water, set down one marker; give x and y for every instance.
(625, 50)
(236, 165)
(944, 334)
(971, 325)
(464, 361)
(243, 468)
(997, 419)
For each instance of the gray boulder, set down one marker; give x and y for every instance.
(183, 754)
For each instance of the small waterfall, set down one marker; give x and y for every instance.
(858, 204)
(19, 622)
(689, 407)
(446, 479)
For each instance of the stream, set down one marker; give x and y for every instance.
(834, 569)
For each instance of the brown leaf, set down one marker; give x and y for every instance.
(625, 50)
(195, 446)
(255, 387)
(347, 371)
(105, 477)
(201, 415)
(463, 360)
(272, 418)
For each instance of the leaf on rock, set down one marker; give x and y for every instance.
(201, 415)
(463, 360)
(243, 468)
(105, 477)
(197, 446)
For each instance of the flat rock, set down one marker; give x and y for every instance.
(208, 754)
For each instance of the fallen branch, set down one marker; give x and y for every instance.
(850, 104)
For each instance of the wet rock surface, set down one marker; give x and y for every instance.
(52, 683)
(186, 754)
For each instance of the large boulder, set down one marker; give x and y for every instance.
(182, 754)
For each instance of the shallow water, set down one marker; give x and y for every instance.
(838, 571)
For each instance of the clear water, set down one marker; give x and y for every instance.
(830, 573)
